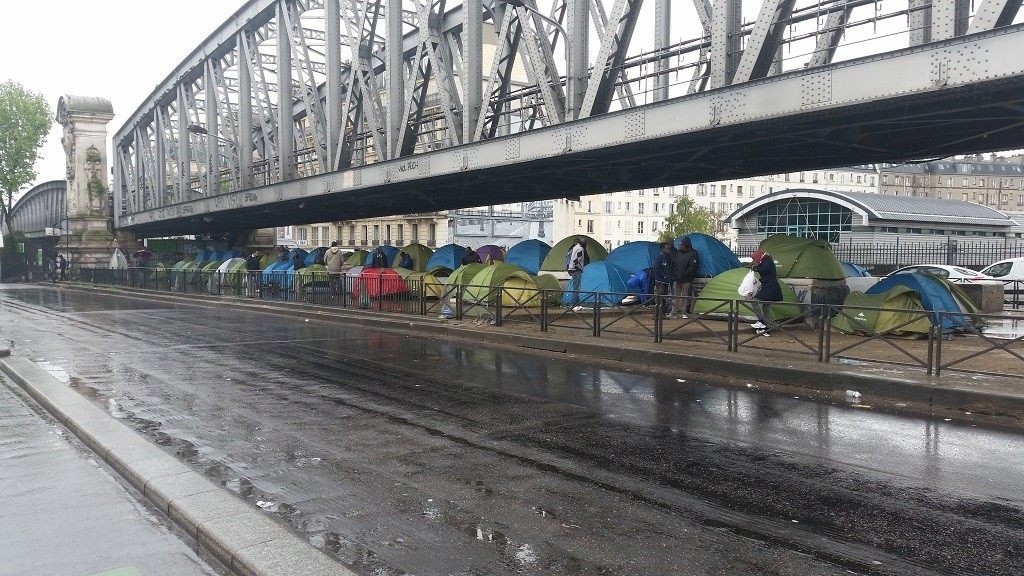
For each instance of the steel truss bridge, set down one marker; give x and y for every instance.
(298, 111)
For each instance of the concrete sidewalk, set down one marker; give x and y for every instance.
(62, 513)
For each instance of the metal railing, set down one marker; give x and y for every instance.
(934, 342)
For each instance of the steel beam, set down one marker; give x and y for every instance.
(662, 39)
(578, 67)
(472, 53)
(184, 148)
(828, 39)
(394, 48)
(334, 81)
(949, 18)
(213, 127)
(285, 98)
(993, 14)
(763, 41)
(245, 140)
(919, 19)
(160, 127)
(725, 41)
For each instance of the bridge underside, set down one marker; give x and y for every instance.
(772, 126)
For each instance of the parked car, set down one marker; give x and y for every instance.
(951, 273)
(1012, 269)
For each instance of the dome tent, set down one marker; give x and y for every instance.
(604, 277)
(726, 285)
(715, 256)
(528, 255)
(895, 312)
(555, 260)
(854, 271)
(378, 282)
(389, 252)
(447, 257)
(425, 282)
(315, 256)
(419, 253)
(310, 277)
(356, 258)
(464, 274)
(489, 253)
(797, 257)
(518, 287)
(936, 295)
(634, 256)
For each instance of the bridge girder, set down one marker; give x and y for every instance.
(328, 96)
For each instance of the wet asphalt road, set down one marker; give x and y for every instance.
(410, 456)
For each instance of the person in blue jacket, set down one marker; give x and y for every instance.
(763, 264)
(664, 276)
(405, 261)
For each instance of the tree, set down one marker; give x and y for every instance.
(24, 124)
(688, 217)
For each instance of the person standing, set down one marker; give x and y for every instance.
(470, 257)
(763, 264)
(664, 275)
(62, 263)
(379, 259)
(575, 261)
(684, 270)
(333, 259)
(298, 261)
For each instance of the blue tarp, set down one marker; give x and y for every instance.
(854, 271)
(448, 257)
(634, 256)
(528, 255)
(602, 277)
(715, 257)
(389, 251)
(641, 283)
(935, 297)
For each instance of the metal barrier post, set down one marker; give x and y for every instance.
(659, 321)
(423, 298)
(596, 317)
(823, 319)
(931, 345)
(828, 343)
(544, 310)
(458, 302)
(937, 356)
(380, 293)
(497, 305)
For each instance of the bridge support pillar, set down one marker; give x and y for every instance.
(87, 240)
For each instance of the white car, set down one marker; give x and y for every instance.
(1006, 270)
(951, 273)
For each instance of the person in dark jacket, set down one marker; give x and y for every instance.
(663, 274)
(684, 271)
(405, 261)
(379, 260)
(470, 257)
(763, 264)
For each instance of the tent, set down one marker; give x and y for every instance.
(634, 256)
(715, 257)
(465, 274)
(267, 259)
(641, 284)
(315, 256)
(797, 257)
(518, 287)
(232, 271)
(312, 276)
(389, 252)
(604, 277)
(935, 294)
(896, 312)
(528, 255)
(853, 271)
(356, 258)
(379, 282)
(447, 257)
(555, 260)
(489, 253)
(118, 261)
(725, 287)
(430, 285)
(420, 255)
(277, 274)
(551, 284)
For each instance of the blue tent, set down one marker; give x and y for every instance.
(229, 254)
(634, 256)
(854, 271)
(935, 297)
(389, 251)
(277, 273)
(715, 257)
(313, 254)
(528, 255)
(448, 257)
(604, 277)
(204, 256)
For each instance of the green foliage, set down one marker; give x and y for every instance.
(688, 217)
(95, 188)
(24, 124)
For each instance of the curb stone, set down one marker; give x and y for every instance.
(240, 537)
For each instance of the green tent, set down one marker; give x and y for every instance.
(551, 284)
(797, 257)
(419, 253)
(555, 260)
(519, 288)
(464, 274)
(430, 285)
(309, 276)
(726, 285)
(357, 258)
(896, 312)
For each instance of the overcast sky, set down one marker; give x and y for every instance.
(116, 49)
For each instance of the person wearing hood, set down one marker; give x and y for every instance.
(663, 277)
(333, 259)
(380, 259)
(684, 270)
(470, 257)
(763, 265)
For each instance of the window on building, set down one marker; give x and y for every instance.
(618, 224)
(376, 234)
(1020, 200)
(671, 208)
(958, 232)
(627, 206)
(640, 193)
(315, 235)
(937, 231)
(654, 226)
(739, 191)
(831, 177)
(303, 233)
(654, 209)
(965, 197)
(981, 182)
(401, 235)
(885, 178)
(913, 231)
(872, 180)
(977, 233)
(965, 182)
(814, 177)
(415, 232)
(590, 226)
(786, 177)
(639, 207)
(640, 227)
(803, 177)
(889, 229)
(804, 217)
(607, 227)
(432, 238)
(859, 179)
(366, 236)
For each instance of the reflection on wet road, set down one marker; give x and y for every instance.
(412, 456)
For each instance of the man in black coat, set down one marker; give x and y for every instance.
(684, 269)
(764, 265)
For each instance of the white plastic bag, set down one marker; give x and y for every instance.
(749, 286)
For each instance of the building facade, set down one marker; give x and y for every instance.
(993, 181)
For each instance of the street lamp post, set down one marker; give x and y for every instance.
(568, 52)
